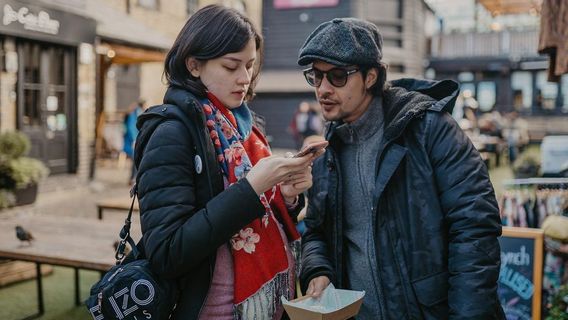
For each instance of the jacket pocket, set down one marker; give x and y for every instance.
(432, 295)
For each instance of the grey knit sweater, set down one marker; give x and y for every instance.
(362, 141)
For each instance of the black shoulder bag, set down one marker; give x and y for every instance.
(130, 290)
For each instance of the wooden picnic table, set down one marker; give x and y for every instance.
(79, 243)
(118, 203)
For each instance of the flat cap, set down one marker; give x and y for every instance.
(343, 42)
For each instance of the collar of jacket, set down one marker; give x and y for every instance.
(186, 102)
(182, 98)
(361, 129)
(406, 99)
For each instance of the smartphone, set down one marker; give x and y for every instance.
(311, 148)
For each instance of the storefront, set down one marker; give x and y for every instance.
(505, 85)
(38, 80)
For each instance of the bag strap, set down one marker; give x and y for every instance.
(125, 232)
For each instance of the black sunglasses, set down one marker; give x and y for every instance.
(336, 76)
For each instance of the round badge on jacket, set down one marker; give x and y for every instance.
(198, 164)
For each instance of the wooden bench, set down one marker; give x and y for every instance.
(78, 243)
(122, 204)
(16, 271)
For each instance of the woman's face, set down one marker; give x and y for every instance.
(227, 77)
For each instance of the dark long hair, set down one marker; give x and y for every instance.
(210, 33)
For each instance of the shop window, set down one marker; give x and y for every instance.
(521, 84)
(31, 54)
(546, 92)
(565, 93)
(56, 119)
(465, 99)
(2, 55)
(149, 4)
(465, 76)
(192, 6)
(396, 68)
(388, 16)
(467, 89)
(486, 95)
(31, 116)
(238, 5)
(56, 65)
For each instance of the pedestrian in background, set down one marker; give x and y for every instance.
(401, 206)
(307, 121)
(217, 210)
(131, 132)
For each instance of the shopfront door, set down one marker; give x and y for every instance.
(44, 101)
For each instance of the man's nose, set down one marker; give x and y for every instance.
(325, 87)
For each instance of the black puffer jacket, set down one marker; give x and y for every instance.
(435, 220)
(185, 213)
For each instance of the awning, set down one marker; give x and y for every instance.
(503, 7)
(123, 54)
(115, 25)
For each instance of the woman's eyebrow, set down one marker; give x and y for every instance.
(237, 59)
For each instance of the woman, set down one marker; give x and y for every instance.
(217, 210)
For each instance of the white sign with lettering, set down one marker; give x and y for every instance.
(41, 22)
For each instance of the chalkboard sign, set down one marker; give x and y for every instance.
(520, 280)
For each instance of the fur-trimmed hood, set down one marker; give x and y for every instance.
(406, 99)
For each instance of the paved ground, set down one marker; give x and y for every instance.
(67, 196)
(75, 198)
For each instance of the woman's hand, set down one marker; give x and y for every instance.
(273, 170)
(296, 184)
(317, 285)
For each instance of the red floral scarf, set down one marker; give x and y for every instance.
(259, 252)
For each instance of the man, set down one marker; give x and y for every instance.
(401, 206)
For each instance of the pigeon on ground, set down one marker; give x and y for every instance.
(24, 235)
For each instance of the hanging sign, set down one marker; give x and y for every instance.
(33, 21)
(292, 4)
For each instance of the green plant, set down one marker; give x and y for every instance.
(14, 144)
(16, 170)
(559, 306)
(7, 199)
(26, 171)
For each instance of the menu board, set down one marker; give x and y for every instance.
(520, 279)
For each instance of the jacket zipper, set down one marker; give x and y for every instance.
(377, 275)
(337, 240)
(337, 243)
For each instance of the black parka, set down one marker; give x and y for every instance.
(435, 216)
(185, 213)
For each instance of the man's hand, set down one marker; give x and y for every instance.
(317, 285)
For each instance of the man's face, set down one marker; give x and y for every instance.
(348, 102)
